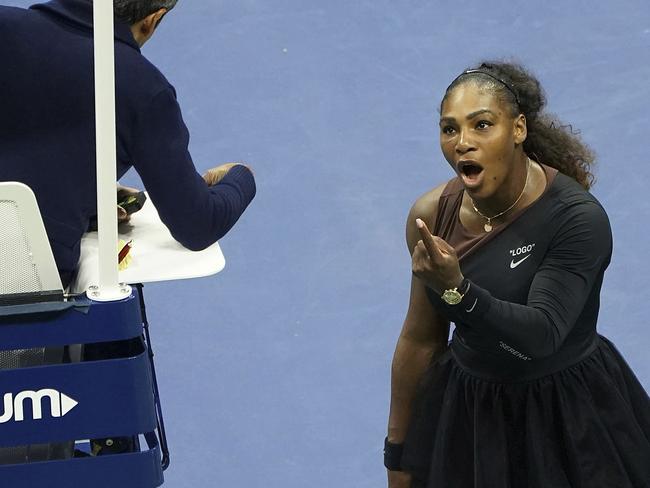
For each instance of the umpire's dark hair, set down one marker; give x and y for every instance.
(132, 11)
(548, 141)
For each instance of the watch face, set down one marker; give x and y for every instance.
(452, 297)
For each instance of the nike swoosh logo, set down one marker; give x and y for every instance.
(514, 264)
(471, 309)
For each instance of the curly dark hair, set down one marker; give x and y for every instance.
(548, 141)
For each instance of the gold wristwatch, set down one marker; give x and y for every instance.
(453, 296)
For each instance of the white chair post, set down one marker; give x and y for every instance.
(108, 288)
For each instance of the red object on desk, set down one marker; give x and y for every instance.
(124, 252)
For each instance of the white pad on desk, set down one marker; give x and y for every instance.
(156, 255)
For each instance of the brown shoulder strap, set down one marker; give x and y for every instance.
(448, 206)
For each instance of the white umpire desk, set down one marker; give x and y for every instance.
(156, 256)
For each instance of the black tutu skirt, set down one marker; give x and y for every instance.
(585, 426)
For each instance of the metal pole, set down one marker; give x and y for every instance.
(108, 288)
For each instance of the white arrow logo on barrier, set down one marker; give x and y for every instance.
(67, 404)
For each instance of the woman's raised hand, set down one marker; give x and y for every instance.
(435, 262)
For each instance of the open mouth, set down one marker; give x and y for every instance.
(470, 172)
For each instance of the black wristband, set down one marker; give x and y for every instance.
(393, 455)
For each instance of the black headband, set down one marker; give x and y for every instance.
(487, 73)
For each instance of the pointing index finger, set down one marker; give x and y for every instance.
(427, 239)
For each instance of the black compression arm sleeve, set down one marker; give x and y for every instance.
(579, 253)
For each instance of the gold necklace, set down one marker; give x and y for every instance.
(488, 224)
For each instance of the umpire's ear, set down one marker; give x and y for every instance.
(143, 29)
